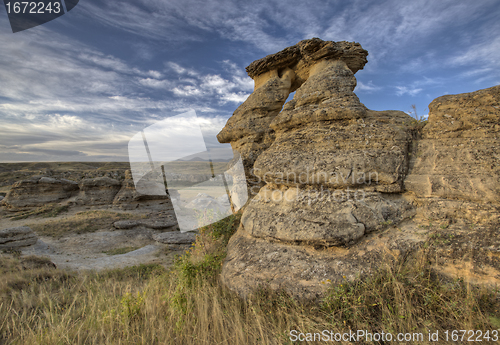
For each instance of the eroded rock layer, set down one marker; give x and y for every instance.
(306, 53)
(39, 190)
(98, 191)
(21, 236)
(458, 156)
(248, 129)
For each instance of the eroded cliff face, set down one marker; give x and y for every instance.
(39, 190)
(336, 186)
(458, 155)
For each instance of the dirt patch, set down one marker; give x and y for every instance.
(121, 250)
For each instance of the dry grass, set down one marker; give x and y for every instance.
(45, 211)
(122, 250)
(82, 222)
(188, 305)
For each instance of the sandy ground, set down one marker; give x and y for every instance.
(87, 250)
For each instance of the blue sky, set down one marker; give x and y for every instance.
(79, 87)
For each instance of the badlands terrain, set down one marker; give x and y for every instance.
(89, 215)
(335, 188)
(383, 221)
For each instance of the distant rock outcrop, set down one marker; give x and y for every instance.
(336, 186)
(39, 190)
(129, 198)
(42, 190)
(98, 191)
(17, 237)
(129, 194)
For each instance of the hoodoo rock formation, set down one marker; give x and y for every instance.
(98, 191)
(275, 76)
(335, 186)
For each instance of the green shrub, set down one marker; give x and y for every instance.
(205, 257)
(131, 305)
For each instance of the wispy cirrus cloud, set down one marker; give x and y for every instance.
(412, 91)
(236, 88)
(63, 94)
(388, 28)
(483, 53)
(367, 87)
(57, 91)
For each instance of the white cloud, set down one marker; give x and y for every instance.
(367, 87)
(238, 97)
(483, 54)
(187, 90)
(402, 90)
(235, 89)
(155, 74)
(155, 83)
(181, 70)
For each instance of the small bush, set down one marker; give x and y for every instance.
(418, 122)
(205, 257)
(131, 305)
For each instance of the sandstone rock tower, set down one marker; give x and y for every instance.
(327, 175)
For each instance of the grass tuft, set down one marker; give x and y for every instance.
(82, 222)
(123, 250)
(46, 211)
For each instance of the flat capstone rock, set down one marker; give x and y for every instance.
(175, 237)
(21, 236)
